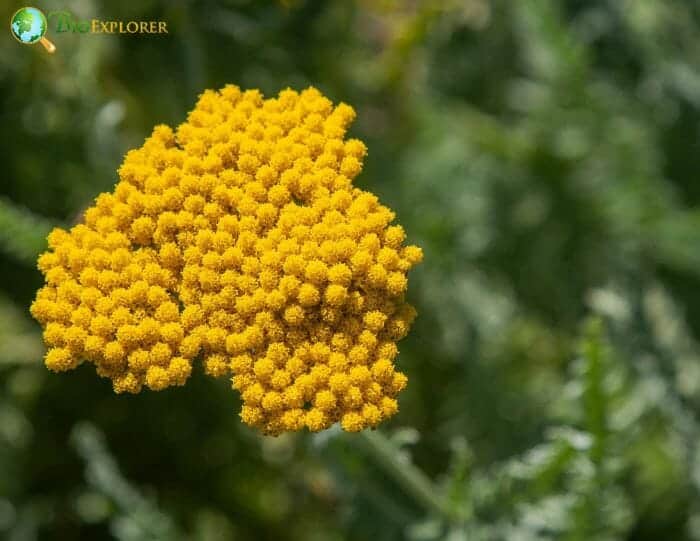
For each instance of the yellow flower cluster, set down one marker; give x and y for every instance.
(241, 239)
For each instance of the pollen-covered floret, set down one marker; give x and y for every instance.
(240, 238)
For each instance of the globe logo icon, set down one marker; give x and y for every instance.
(28, 25)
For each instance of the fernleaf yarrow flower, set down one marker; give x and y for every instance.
(240, 239)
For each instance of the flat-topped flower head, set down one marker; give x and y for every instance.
(240, 239)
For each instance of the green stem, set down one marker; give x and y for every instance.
(407, 475)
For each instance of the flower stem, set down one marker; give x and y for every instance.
(411, 478)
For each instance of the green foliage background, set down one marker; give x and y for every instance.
(543, 153)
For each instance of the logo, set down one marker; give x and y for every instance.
(28, 25)
(65, 22)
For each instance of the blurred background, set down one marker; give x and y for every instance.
(543, 153)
